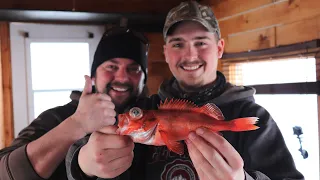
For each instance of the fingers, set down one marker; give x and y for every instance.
(222, 145)
(116, 167)
(194, 158)
(110, 141)
(212, 167)
(87, 86)
(109, 130)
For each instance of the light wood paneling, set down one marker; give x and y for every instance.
(6, 105)
(277, 14)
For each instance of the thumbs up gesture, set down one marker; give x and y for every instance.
(95, 110)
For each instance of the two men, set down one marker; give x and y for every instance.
(119, 72)
(192, 48)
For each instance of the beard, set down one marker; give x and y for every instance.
(121, 102)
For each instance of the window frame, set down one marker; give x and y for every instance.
(20, 35)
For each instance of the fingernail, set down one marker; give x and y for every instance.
(192, 136)
(200, 131)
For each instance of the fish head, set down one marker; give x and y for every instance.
(137, 123)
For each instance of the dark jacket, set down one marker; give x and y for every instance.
(264, 151)
(15, 164)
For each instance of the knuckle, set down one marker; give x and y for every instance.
(239, 164)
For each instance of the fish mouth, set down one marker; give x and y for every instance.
(149, 133)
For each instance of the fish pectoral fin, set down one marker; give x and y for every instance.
(174, 146)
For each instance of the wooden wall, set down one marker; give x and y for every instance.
(132, 6)
(6, 105)
(251, 25)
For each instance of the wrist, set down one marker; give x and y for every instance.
(75, 127)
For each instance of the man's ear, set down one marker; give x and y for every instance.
(220, 46)
(165, 53)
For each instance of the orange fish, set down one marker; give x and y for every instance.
(174, 120)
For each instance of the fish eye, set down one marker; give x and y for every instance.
(135, 113)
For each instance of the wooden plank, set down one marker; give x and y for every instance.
(40, 4)
(155, 38)
(6, 83)
(158, 72)
(292, 33)
(6, 4)
(226, 8)
(126, 6)
(156, 47)
(260, 39)
(156, 53)
(280, 13)
(301, 31)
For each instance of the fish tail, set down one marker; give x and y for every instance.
(244, 124)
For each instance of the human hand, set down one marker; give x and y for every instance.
(95, 110)
(214, 157)
(107, 154)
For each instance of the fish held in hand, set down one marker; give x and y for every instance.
(174, 120)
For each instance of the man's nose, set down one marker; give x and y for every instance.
(122, 75)
(191, 53)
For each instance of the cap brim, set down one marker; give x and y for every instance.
(204, 23)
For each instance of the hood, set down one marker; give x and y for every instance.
(228, 94)
(234, 93)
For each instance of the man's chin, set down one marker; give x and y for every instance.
(121, 104)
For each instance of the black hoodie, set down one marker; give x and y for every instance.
(264, 151)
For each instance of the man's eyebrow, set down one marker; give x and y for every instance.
(195, 38)
(175, 39)
(134, 64)
(114, 61)
(201, 38)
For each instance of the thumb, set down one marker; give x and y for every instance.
(87, 86)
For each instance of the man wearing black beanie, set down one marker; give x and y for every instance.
(119, 73)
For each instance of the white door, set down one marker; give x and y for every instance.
(48, 62)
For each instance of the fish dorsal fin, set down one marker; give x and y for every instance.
(177, 104)
(212, 110)
(209, 109)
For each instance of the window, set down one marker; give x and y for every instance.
(288, 110)
(46, 67)
(57, 68)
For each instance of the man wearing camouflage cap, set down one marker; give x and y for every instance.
(192, 48)
(193, 45)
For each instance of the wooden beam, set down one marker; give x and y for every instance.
(318, 100)
(6, 104)
(289, 88)
(306, 48)
(63, 5)
(301, 31)
(140, 21)
(227, 8)
(292, 33)
(261, 39)
(145, 6)
(276, 14)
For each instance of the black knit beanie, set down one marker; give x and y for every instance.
(122, 43)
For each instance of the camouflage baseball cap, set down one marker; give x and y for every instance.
(192, 11)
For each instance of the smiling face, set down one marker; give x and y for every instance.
(122, 79)
(192, 54)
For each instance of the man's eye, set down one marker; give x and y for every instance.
(178, 45)
(200, 43)
(134, 69)
(111, 67)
